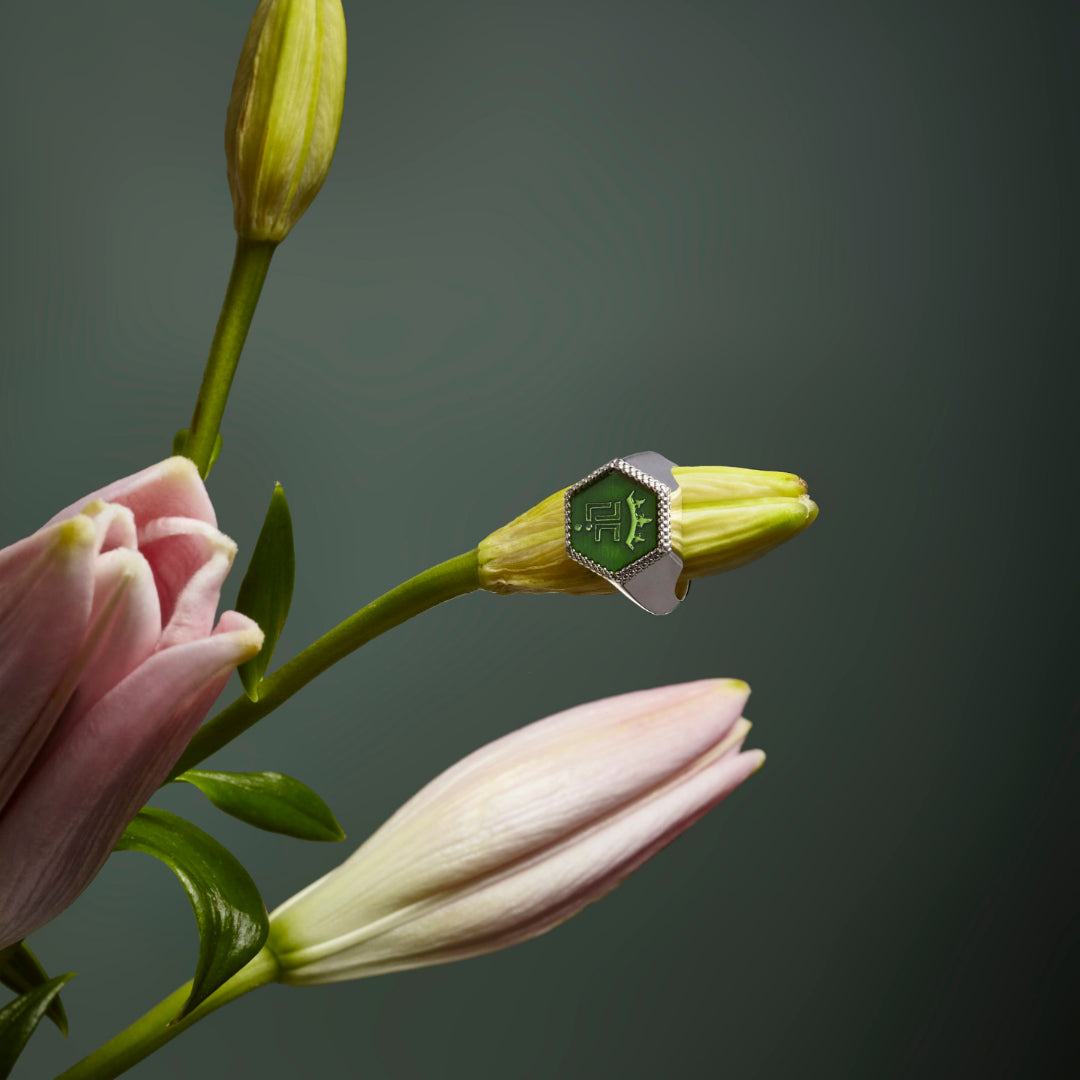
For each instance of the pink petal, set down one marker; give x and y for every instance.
(190, 560)
(589, 733)
(538, 893)
(123, 630)
(548, 891)
(83, 789)
(46, 584)
(515, 799)
(115, 525)
(172, 488)
(531, 787)
(193, 712)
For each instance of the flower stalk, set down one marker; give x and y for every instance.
(449, 579)
(250, 265)
(159, 1025)
(281, 129)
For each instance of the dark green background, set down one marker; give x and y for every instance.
(833, 238)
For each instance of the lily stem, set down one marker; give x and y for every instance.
(250, 264)
(159, 1025)
(455, 577)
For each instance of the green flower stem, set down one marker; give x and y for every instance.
(156, 1028)
(455, 577)
(250, 264)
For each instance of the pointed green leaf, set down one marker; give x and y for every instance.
(20, 1018)
(228, 909)
(268, 800)
(180, 438)
(20, 970)
(266, 591)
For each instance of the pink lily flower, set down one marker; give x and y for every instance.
(109, 660)
(521, 835)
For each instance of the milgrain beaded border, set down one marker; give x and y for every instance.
(663, 525)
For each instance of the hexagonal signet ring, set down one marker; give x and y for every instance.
(618, 524)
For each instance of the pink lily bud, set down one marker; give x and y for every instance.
(521, 835)
(109, 660)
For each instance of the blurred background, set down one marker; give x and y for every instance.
(837, 239)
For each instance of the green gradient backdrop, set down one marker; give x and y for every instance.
(818, 237)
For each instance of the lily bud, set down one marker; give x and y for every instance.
(109, 660)
(520, 835)
(721, 518)
(284, 113)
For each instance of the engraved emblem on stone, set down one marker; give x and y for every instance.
(618, 524)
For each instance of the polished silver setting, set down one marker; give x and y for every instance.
(651, 582)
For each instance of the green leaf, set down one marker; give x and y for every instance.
(266, 591)
(20, 1018)
(180, 438)
(20, 970)
(268, 800)
(228, 909)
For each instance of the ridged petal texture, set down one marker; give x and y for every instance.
(109, 660)
(284, 114)
(521, 835)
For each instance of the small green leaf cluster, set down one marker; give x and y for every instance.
(39, 996)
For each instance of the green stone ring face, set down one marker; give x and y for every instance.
(618, 524)
(613, 521)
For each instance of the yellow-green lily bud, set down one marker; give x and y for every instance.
(721, 518)
(284, 113)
